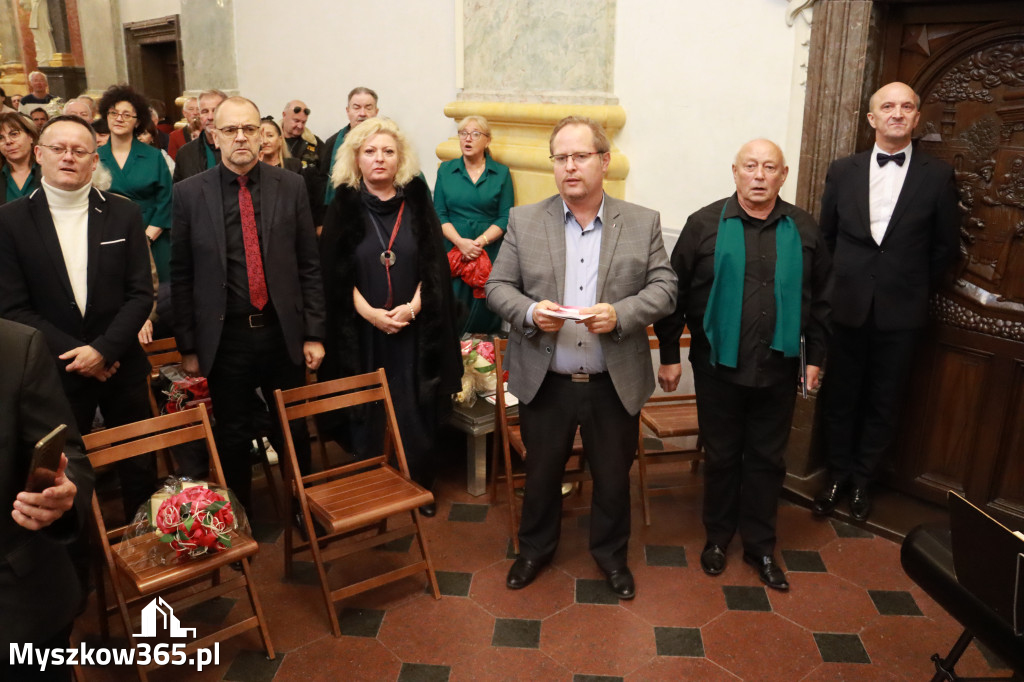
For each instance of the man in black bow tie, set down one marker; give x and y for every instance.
(890, 218)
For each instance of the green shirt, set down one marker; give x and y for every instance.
(15, 192)
(472, 208)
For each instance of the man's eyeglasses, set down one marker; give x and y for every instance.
(475, 134)
(80, 154)
(248, 131)
(121, 115)
(577, 157)
(300, 110)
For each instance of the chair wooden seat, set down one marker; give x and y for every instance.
(358, 501)
(137, 565)
(671, 420)
(352, 503)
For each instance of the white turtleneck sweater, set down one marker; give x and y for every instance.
(70, 211)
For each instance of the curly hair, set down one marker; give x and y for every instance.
(125, 93)
(346, 164)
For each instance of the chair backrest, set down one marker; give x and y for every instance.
(652, 338)
(162, 352)
(345, 393)
(502, 420)
(119, 443)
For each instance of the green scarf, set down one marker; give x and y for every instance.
(211, 159)
(329, 192)
(725, 304)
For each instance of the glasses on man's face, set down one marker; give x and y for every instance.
(12, 136)
(248, 131)
(474, 134)
(79, 153)
(577, 157)
(300, 110)
(121, 115)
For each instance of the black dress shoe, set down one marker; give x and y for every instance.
(826, 500)
(429, 510)
(860, 503)
(621, 583)
(523, 572)
(768, 571)
(712, 559)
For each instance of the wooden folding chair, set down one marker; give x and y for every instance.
(508, 437)
(133, 576)
(352, 502)
(667, 416)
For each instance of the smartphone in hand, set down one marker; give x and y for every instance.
(42, 471)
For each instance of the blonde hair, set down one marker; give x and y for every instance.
(480, 122)
(346, 164)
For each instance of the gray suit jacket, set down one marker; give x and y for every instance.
(634, 275)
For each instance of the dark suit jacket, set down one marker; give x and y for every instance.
(35, 288)
(922, 239)
(39, 590)
(191, 159)
(291, 262)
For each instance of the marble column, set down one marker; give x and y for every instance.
(524, 65)
(102, 44)
(12, 69)
(208, 63)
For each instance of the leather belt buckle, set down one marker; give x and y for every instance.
(580, 378)
(256, 321)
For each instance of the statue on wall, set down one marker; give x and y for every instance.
(42, 31)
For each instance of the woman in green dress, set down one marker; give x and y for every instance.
(19, 172)
(472, 196)
(138, 171)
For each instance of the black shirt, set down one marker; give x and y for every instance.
(234, 245)
(693, 259)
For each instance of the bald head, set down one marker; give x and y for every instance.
(759, 171)
(895, 112)
(293, 118)
(79, 107)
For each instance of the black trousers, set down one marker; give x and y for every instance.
(867, 377)
(744, 431)
(609, 435)
(121, 399)
(31, 673)
(248, 359)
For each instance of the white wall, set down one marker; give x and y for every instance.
(320, 51)
(697, 80)
(141, 10)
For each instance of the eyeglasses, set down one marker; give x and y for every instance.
(80, 154)
(248, 131)
(300, 110)
(577, 157)
(121, 115)
(475, 134)
(12, 136)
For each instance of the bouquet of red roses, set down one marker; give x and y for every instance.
(195, 521)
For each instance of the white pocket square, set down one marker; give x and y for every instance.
(113, 241)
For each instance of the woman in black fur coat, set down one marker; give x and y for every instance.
(389, 296)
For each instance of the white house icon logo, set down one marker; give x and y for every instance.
(159, 610)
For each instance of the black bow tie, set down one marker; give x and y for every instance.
(883, 159)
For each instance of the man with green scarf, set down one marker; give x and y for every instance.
(752, 274)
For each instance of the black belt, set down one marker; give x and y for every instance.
(580, 378)
(253, 321)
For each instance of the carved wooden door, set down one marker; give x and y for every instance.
(964, 424)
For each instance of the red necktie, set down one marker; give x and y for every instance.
(253, 260)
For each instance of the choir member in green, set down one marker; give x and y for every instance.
(138, 171)
(472, 196)
(19, 172)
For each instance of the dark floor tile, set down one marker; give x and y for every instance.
(470, 513)
(516, 633)
(421, 672)
(266, 532)
(596, 678)
(510, 550)
(304, 573)
(679, 642)
(590, 591)
(453, 583)
(741, 598)
(360, 622)
(803, 561)
(665, 555)
(253, 666)
(894, 603)
(399, 545)
(212, 612)
(837, 648)
(990, 657)
(845, 530)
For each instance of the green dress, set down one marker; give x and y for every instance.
(146, 180)
(472, 208)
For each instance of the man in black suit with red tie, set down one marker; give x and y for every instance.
(890, 218)
(246, 289)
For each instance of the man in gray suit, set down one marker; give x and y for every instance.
(605, 257)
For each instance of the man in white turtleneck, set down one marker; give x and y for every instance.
(73, 264)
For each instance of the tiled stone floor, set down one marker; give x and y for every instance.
(851, 613)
